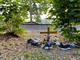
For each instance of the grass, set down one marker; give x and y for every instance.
(33, 55)
(24, 55)
(14, 49)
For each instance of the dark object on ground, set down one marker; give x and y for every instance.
(48, 45)
(33, 43)
(78, 44)
(64, 46)
(11, 34)
(8, 36)
(29, 41)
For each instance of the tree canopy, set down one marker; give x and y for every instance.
(67, 14)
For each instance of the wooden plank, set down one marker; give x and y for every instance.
(47, 32)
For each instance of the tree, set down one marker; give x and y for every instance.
(37, 8)
(12, 9)
(13, 15)
(67, 14)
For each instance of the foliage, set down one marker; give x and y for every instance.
(12, 16)
(67, 14)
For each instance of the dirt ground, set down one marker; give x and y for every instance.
(15, 49)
